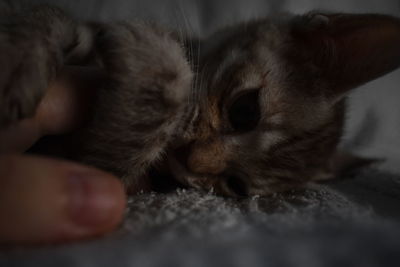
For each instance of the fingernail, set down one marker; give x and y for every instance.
(94, 199)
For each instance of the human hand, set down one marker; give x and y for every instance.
(44, 200)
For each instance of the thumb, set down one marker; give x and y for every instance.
(49, 201)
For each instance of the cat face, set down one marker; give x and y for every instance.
(268, 109)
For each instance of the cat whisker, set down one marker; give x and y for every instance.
(188, 46)
(188, 30)
(198, 60)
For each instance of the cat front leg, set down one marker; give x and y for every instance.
(139, 110)
(33, 46)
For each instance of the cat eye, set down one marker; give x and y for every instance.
(244, 114)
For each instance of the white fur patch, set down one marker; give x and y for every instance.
(269, 139)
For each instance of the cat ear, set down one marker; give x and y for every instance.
(348, 50)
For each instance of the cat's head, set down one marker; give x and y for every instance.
(268, 107)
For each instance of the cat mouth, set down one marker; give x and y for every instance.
(171, 174)
(184, 176)
(209, 183)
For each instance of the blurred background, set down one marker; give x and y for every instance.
(204, 16)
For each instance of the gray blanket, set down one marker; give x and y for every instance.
(352, 222)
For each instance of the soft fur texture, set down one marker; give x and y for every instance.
(254, 109)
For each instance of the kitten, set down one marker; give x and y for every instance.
(261, 111)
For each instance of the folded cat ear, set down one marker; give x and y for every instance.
(348, 50)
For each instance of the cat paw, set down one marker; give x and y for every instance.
(148, 61)
(23, 77)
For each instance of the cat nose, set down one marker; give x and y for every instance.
(206, 157)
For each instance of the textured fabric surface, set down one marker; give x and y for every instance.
(353, 222)
(319, 227)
